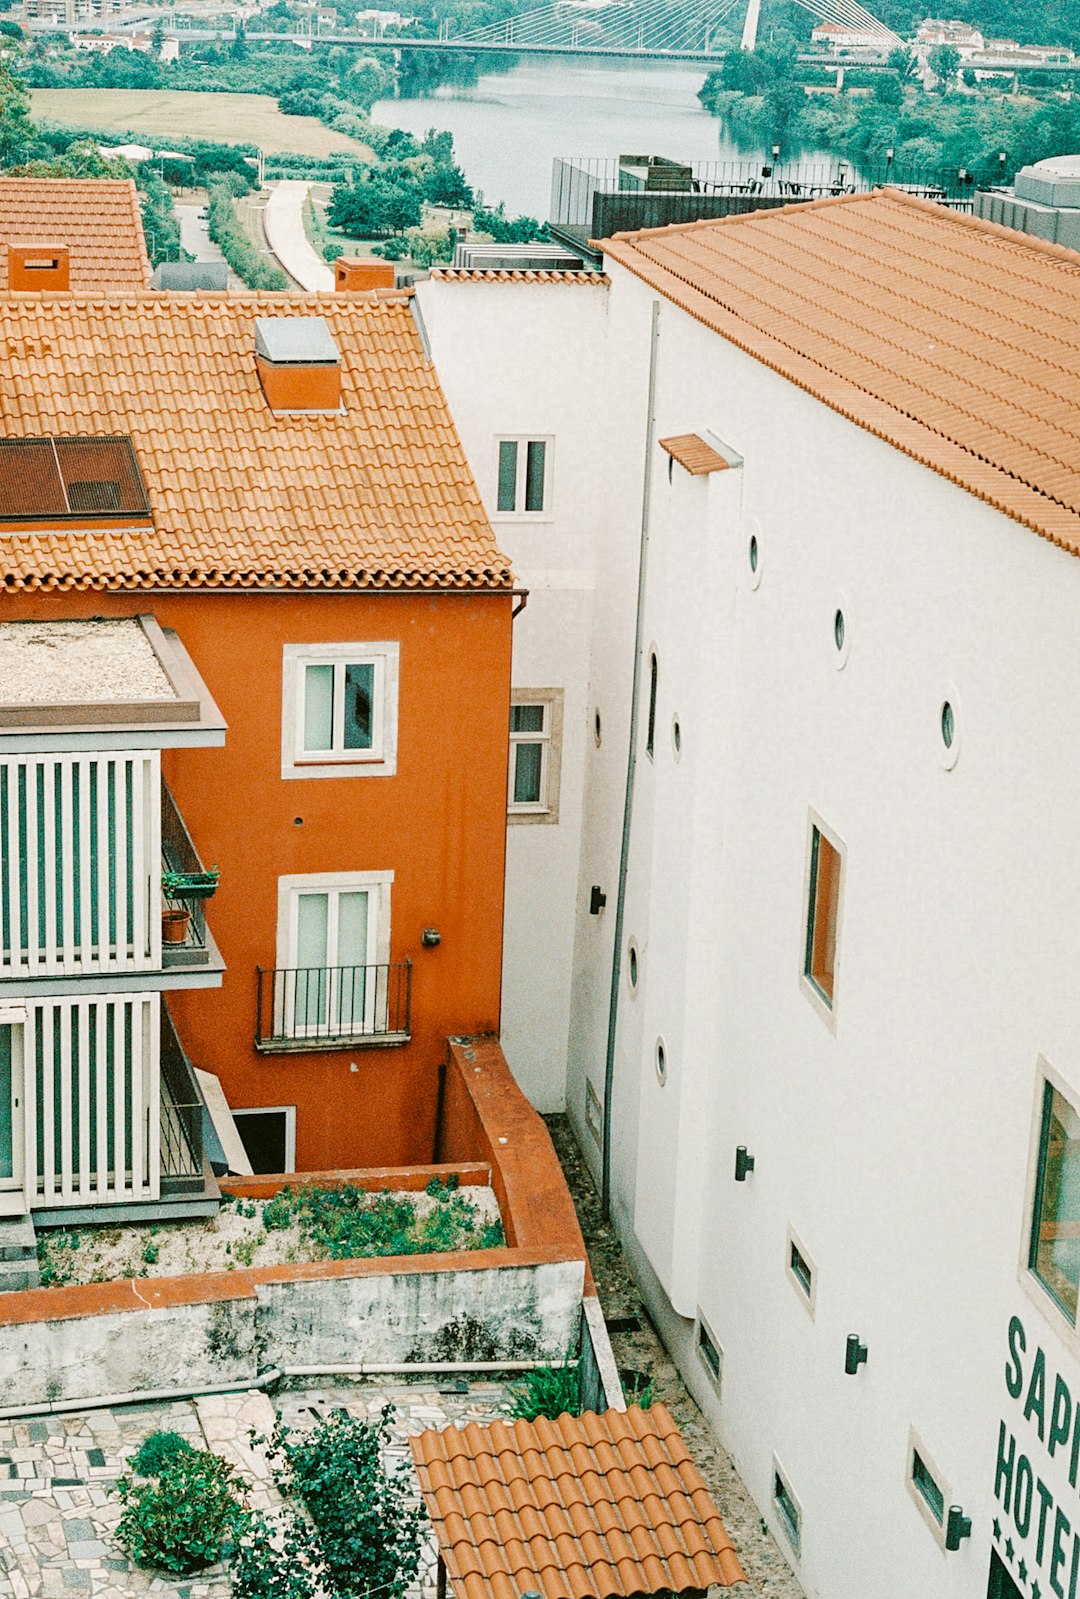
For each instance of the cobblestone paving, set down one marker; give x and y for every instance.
(638, 1348)
(58, 1511)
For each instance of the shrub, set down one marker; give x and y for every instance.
(277, 1559)
(156, 1451)
(179, 1519)
(547, 1391)
(226, 231)
(367, 1531)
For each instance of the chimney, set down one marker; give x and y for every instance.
(298, 363)
(38, 268)
(352, 272)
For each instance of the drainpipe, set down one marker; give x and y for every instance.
(144, 1396)
(631, 763)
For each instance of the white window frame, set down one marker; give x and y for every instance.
(792, 1535)
(807, 1297)
(921, 1503)
(550, 738)
(381, 759)
(518, 514)
(289, 1112)
(1052, 1311)
(377, 886)
(825, 1007)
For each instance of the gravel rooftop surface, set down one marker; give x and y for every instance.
(78, 662)
(641, 1350)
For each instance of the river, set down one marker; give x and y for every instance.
(510, 126)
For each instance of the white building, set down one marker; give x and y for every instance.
(813, 490)
(836, 38)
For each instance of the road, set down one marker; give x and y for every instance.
(196, 239)
(284, 223)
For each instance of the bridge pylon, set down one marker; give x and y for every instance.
(750, 26)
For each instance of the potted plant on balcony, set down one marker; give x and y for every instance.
(190, 885)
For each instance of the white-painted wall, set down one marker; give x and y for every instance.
(896, 1142)
(526, 359)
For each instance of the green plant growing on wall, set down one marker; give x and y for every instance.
(367, 1530)
(551, 1391)
(179, 1517)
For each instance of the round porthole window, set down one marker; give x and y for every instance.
(632, 966)
(841, 632)
(838, 630)
(754, 550)
(948, 729)
(661, 1060)
(676, 736)
(597, 729)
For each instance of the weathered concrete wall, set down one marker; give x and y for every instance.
(187, 1333)
(182, 1342)
(512, 1313)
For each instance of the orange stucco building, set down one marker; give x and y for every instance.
(303, 518)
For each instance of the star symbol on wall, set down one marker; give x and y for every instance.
(1036, 1591)
(1022, 1570)
(997, 1530)
(1009, 1550)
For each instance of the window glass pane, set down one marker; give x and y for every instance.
(311, 929)
(318, 707)
(1055, 1252)
(654, 671)
(926, 1485)
(528, 768)
(534, 475)
(359, 705)
(508, 452)
(822, 915)
(527, 718)
(352, 930)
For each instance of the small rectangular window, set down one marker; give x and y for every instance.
(822, 915)
(787, 1507)
(927, 1487)
(523, 477)
(339, 710)
(801, 1271)
(1054, 1252)
(709, 1351)
(924, 1481)
(654, 673)
(535, 734)
(268, 1135)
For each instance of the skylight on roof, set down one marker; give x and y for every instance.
(84, 479)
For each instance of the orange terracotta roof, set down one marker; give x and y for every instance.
(513, 275)
(587, 1508)
(380, 496)
(97, 218)
(694, 454)
(953, 339)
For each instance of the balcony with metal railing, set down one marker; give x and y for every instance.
(186, 886)
(182, 1157)
(332, 1007)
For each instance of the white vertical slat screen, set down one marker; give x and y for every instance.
(80, 852)
(93, 1099)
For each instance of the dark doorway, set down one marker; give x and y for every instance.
(265, 1136)
(1001, 1584)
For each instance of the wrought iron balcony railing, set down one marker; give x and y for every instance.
(331, 1007)
(182, 1110)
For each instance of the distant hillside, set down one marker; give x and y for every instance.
(1028, 21)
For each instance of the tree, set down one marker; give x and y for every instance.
(888, 90)
(446, 185)
(239, 44)
(944, 63)
(903, 61)
(374, 207)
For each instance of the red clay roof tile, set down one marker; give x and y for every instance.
(950, 338)
(99, 219)
(590, 1519)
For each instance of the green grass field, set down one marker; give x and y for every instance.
(162, 114)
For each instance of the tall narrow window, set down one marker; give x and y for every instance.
(523, 477)
(1054, 1254)
(819, 966)
(535, 733)
(650, 737)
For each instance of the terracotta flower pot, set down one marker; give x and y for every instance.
(174, 926)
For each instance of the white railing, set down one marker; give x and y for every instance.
(91, 1100)
(80, 847)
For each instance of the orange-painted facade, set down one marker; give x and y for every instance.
(439, 824)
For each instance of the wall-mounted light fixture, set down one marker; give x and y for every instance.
(957, 1527)
(856, 1354)
(744, 1163)
(430, 937)
(597, 900)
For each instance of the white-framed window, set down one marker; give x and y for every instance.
(535, 754)
(787, 1507)
(333, 952)
(1053, 1236)
(268, 1134)
(709, 1351)
(523, 476)
(339, 710)
(823, 896)
(801, 1271)
(926, 1485)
